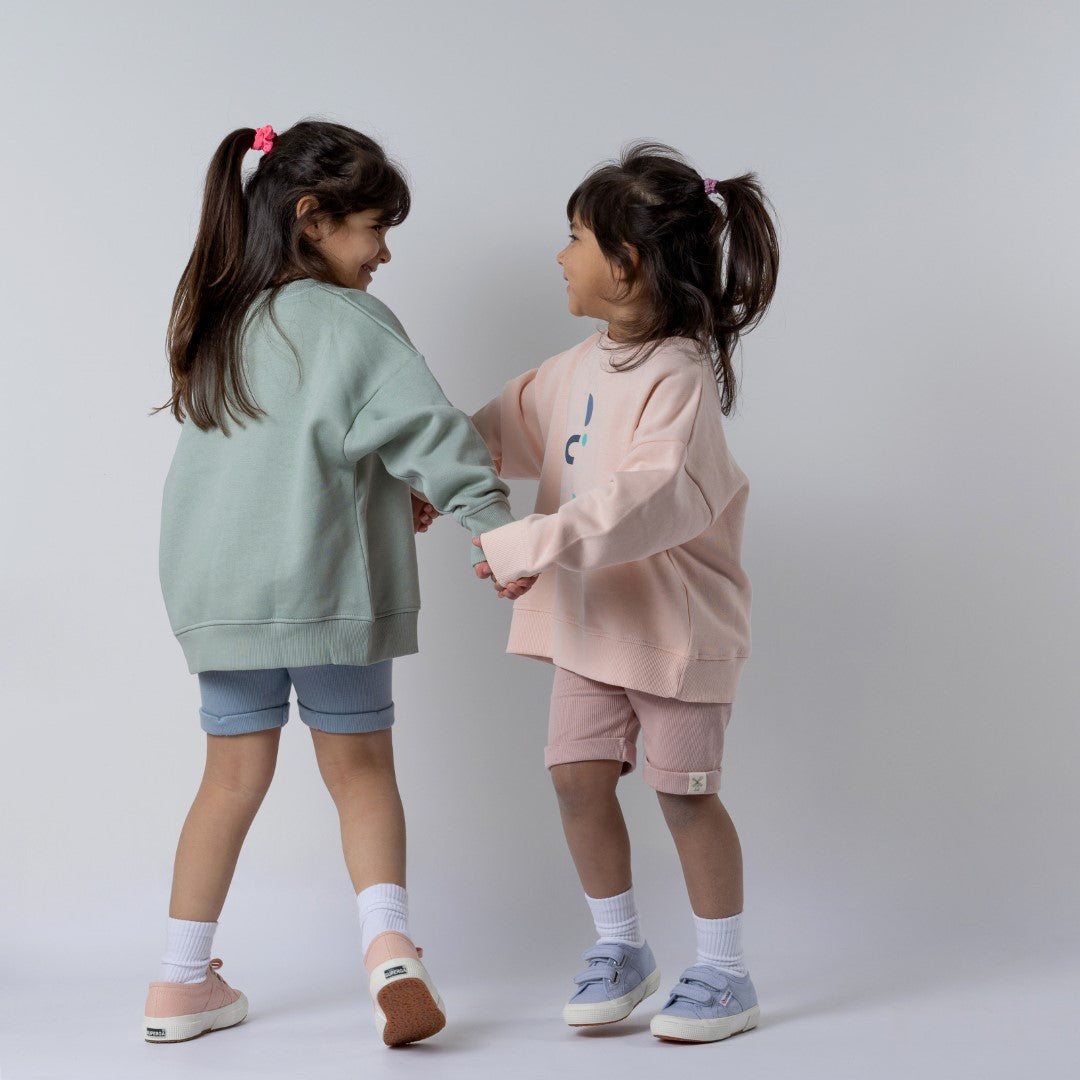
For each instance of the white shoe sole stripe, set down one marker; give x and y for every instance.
(685, 1029)
(608, 1012)
(181, 1028)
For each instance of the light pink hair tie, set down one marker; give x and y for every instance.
(710, 186)
(264, 139)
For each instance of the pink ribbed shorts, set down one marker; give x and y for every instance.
(683, 740)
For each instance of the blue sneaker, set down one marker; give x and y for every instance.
(706, 1006)
(618, 978)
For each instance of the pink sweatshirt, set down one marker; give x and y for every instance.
(638, 524)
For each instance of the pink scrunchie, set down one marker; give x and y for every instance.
(264, 139)
(710, 186)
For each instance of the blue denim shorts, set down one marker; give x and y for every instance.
(338, 698)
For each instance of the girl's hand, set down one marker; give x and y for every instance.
(512, 589)
(423, 513)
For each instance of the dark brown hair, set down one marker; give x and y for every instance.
(250, 240)
(706, 266)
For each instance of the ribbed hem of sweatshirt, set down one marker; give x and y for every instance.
(257, 646)
(633, 664)
(492, 516)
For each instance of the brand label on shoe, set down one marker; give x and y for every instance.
(155, 1031)
(696, 784)
(727, 997)
(389, 973)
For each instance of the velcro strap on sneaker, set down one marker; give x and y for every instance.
(610, 954)
(701, 973)
(691, 992)
(594, 975)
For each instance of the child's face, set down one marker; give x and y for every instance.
(355, 248)
(593, 284)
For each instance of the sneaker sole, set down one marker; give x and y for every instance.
(407, 1005)
(172, 1029)
(684, 1029)
(610, 1012)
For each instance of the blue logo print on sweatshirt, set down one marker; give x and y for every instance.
(582, 438)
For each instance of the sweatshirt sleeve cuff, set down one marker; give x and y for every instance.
(492, 516)
(505, 551)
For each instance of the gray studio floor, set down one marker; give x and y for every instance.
(858, 1018)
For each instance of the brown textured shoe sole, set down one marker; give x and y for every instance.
(411, 1012)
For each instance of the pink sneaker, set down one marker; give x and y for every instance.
(407, 1005)
(179, 1011)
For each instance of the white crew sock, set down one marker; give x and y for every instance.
(616, 919)
(382, 908)
(719, 944)
(187, 951)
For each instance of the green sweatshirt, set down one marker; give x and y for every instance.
(290, 541)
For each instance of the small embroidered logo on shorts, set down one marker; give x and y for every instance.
(389, 973)
(696, 786)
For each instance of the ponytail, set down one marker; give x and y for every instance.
(250, 243)
(748, 260)
(201, 321)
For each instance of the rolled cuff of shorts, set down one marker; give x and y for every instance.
(245, 723)
(347, 723)
(682, 783)
(592, 750)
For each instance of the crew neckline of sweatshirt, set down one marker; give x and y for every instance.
(603, 341)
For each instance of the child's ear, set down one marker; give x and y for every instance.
(306, 206)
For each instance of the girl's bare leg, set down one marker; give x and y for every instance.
(238, 772)
(709, 851)
(594, 826)
(359, 774)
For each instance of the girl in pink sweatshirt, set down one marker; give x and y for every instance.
(631, 563)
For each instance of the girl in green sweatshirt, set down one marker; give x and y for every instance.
(287, 552)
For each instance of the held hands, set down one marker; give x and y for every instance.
(512, 589)
(424, 514)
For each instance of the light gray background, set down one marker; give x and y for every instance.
(902, 757)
